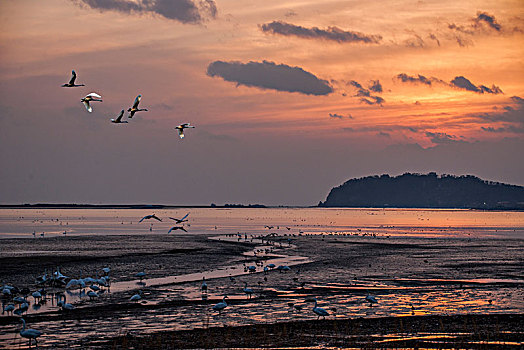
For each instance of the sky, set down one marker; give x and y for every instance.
(289, 98)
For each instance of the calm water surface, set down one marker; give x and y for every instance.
(439, 222)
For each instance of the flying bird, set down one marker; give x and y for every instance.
(72, 81)
(152, 216)
(181, 128)
(90, 97)
(177, 228)
(118, 119)
(179, 221)
(135, 108)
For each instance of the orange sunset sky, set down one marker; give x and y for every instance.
(289, 98)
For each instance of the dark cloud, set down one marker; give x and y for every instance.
(483, 17)
(463, 83)
(512, 118)
(269, 75)
(441, 138)
(458, 82)
(373, 100)
(365, 94)
(416, 41)
(375, 86)
(434, 37)
(185, 11)
(339, 116)
(403, 77)
(331, 33)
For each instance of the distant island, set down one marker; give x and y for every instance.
(425, 191)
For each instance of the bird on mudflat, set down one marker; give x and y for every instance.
(319, 311)
(72, 81)
(91, 97)
(181, 128)
(135, 108)
(118, 120)
(221, 306)
(30, 333)
(152, 216)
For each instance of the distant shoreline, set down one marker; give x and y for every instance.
(226, 206)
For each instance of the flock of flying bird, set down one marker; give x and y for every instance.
(94, 97)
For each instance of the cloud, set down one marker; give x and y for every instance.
(463, 83)
(441, 138)
(269, 75)
(512, 118)
(403, 77)
(339, 116)
(458, 82)
(331, 33)
(375, 86)
(185, 11)
(434, 37)
(483, 17)
(365, 94)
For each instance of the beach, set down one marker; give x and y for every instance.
(428, 283)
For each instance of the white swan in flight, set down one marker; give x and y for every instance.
(91, 97)
(179, 221)
(181, 128)
(152, 216)
(177, 228)
(72, 81)
(118, 119)
(135, 108)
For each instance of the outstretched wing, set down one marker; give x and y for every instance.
(184, 217)
(137, 101)
(119, 118)
(145, 217)
(94, 94)
(171, 229)
(155, 217)
(183, 229)
(73, 78)
(88, 107)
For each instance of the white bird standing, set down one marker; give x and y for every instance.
(371, 299)
(247, 290)
(118, 119)
(204, 285)
(136, 297)
(135, 108)
(30, 333)
(181, 128)
(91, 97)
(221, 306)
(319, 311)
(72, 81)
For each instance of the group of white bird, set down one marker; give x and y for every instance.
(94, 97)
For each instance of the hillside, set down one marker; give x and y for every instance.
(425, 191)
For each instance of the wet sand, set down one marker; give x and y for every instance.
(423, 282)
